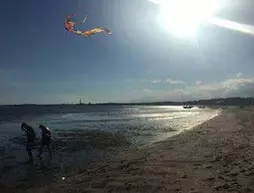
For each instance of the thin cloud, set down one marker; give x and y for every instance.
(155, 1)
(198, 82)
(233, 87)
(170, 81)
(227, 88)
(145, 90)
(239, 75)
(156, 81)
(167, 80)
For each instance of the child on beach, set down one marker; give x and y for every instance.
(45, 141)
(30, 140)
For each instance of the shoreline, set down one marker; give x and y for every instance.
(215, 156)
(179, 132)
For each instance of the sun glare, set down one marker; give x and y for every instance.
(183, 17)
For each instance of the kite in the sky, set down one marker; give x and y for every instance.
(93, 31)
(70, 26)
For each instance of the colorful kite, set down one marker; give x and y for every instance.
(93, 31)
(70, 26)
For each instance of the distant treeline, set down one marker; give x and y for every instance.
(234, 101)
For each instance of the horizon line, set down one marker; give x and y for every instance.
(125, 103)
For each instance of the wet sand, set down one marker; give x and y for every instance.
(72, 151)
(216, 156)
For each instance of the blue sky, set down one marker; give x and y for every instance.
(141, 61)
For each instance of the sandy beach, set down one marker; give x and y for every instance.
(216, 156)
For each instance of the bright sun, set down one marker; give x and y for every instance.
(183, 17)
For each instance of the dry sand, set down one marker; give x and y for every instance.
(217, 156)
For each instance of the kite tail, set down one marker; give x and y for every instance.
(72, 15)
(84, 20)
(109, 32)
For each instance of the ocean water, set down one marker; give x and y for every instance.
(96, 127)
(139, 124)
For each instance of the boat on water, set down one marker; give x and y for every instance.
(187, 106)
(184, 104)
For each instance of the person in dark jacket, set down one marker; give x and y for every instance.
(45, 140)
(30, 139)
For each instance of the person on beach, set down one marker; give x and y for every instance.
(30, 140)
(45, 141)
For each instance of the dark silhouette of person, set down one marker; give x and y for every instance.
(30, 140)
(45, 141)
